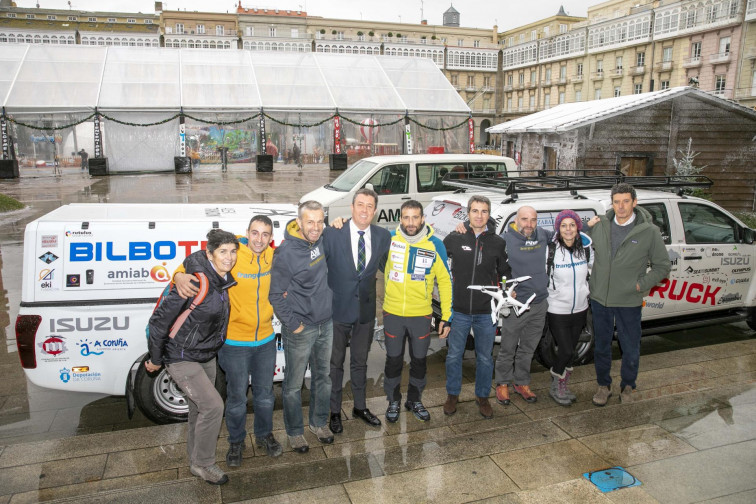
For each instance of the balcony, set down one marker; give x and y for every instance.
(664, 66)
(531, 84)
(562, 81)
(519, 85)
(546, 82)
(508, 87)
(597, 75)
(471, 89)
(457, 87)
(723, 93)
(576, 78)
(488, 89)
(616, 73)
(745, 92)
(638, 70)
(723, 57)
(692, 62)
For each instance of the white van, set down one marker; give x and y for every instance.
(399, 178)
(91, 276)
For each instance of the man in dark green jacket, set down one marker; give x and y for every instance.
(630, 259)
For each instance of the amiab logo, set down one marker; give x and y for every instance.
(160, 274)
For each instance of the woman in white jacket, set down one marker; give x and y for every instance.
(568, 263)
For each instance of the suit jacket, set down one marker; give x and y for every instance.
(354, 294)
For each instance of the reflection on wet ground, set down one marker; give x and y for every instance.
(690, 435)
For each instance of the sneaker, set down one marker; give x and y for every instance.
(212, 474)
(272, 447)
(234, 455)
(418, 409)
(484, 407)
(602, 395)
(626, 396)
(392, 412)
(502, 394)
(299, 444)
(450, 406)
(526, 393)
(323, 434)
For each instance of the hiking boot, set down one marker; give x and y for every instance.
(212, 474)
(418, 409)
(323, 434)
(502, 394)
(602, 395)
(299, 444)
(272, 447)
(526, 393)
(626, 396)
(234, 455)
(568, 392)
(558, 388)
(450, 406)
(392, 412)
(484, 407)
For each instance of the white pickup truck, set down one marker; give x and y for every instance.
(91, 276)
(713, 254)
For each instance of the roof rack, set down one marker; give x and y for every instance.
(514, 185)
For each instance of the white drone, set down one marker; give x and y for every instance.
(502, 301)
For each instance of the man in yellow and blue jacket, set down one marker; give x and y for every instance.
(249, 353)
(416, 259)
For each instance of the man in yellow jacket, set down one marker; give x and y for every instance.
(416, 259)
(250, 348)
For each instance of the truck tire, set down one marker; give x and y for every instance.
(161, 400)
(751, 319)
(547, 348)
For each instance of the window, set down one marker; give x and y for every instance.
(168, 30)
(640, 59)
(30, 16)
(219, 30)
(148, 21)
(562, 72)
(600, 66)
(455, 80)
(533, 35)
(547, 100)
(638, 88)
(522, 38)
(509, 103)
(111, 20)
(580, 69)
(201, 29)
(509, 80)
(664, 85)
(667, 54)
(295, 33)
(476, 43)
(391, 179)
(578, 96)
(561, 97)
(361, 37)
(460, 42)
(546, 31)
(50, 17)
(724, 45)
(705, 224)
(711, 13)
(531, 102)
(72, 18)
(511, 42)
(179, 28)
(617, 91)
(695, 50)
(249, 31)
(11, 14)
(548, 74)
(522, 78)
(339, 35)
(532, 76)
(519, 102)
(470, 81)
(618, 63)
(720, 83)
(487, 81)
(130, 20)
(597, 94)
(562, 28)
(660, 219)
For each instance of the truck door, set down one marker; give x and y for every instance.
(392, 185)
(666, 298)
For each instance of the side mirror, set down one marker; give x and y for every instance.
(749, 236)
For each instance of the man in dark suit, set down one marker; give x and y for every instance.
(354, 254)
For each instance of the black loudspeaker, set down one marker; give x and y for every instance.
(8, 168)
(182, 164)
(98, 166)
(337, 161)
(264, 163)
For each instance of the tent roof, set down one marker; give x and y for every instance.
(44, 79)
(570, 116)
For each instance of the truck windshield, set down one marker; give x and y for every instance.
(347, 180)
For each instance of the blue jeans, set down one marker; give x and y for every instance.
(313, 346)
(628, 322)
(240, 363)
(485, 332)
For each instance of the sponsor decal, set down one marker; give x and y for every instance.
(730, 298)
(73, 280)
(389, 215)
(80, 374)
(657, 306)
(53, 346)
(691, 292)
(48, 257)
(217, 212)
(137, 275)
(692, 271)
(438, 208)
(45, 278)
(89, 324)
(738, 271)
(396, 276)
(736, 261)
(397, 257)
(466, 248)
(460, 214)
(65, 375)
(78, 233)
(398, 246)
(49, 241)
(160, 274)
(673, 257)
(417, 277)
(705, 279)
(86, 350)
(740, 280)
(100, 346)
(718, 280)
(315, 253)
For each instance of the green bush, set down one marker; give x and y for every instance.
(7, 203)
(748, 218)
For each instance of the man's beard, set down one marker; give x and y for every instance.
(419, 228)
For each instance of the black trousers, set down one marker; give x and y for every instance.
(566, 330)
(360, 337)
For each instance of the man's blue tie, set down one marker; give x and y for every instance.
(361, 255)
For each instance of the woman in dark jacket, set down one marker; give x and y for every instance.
(185, 335)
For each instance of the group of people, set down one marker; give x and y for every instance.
(321, 284)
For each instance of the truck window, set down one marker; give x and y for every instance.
(705, 224)
(485, 170)
(660, 219)
(391, 179)
(429, 177)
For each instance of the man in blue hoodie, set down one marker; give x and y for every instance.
(301, 299)
(527, 245)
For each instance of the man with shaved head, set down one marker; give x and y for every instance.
(527, 246)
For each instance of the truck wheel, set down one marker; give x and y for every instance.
(751, 319)
(546, 352)
(161, 400)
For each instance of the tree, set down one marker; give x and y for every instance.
(684, 166)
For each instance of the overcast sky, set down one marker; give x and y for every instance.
(507, 14)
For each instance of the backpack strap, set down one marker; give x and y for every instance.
(550, 258)
(204, 287)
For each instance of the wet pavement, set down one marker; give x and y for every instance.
(690, 435)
